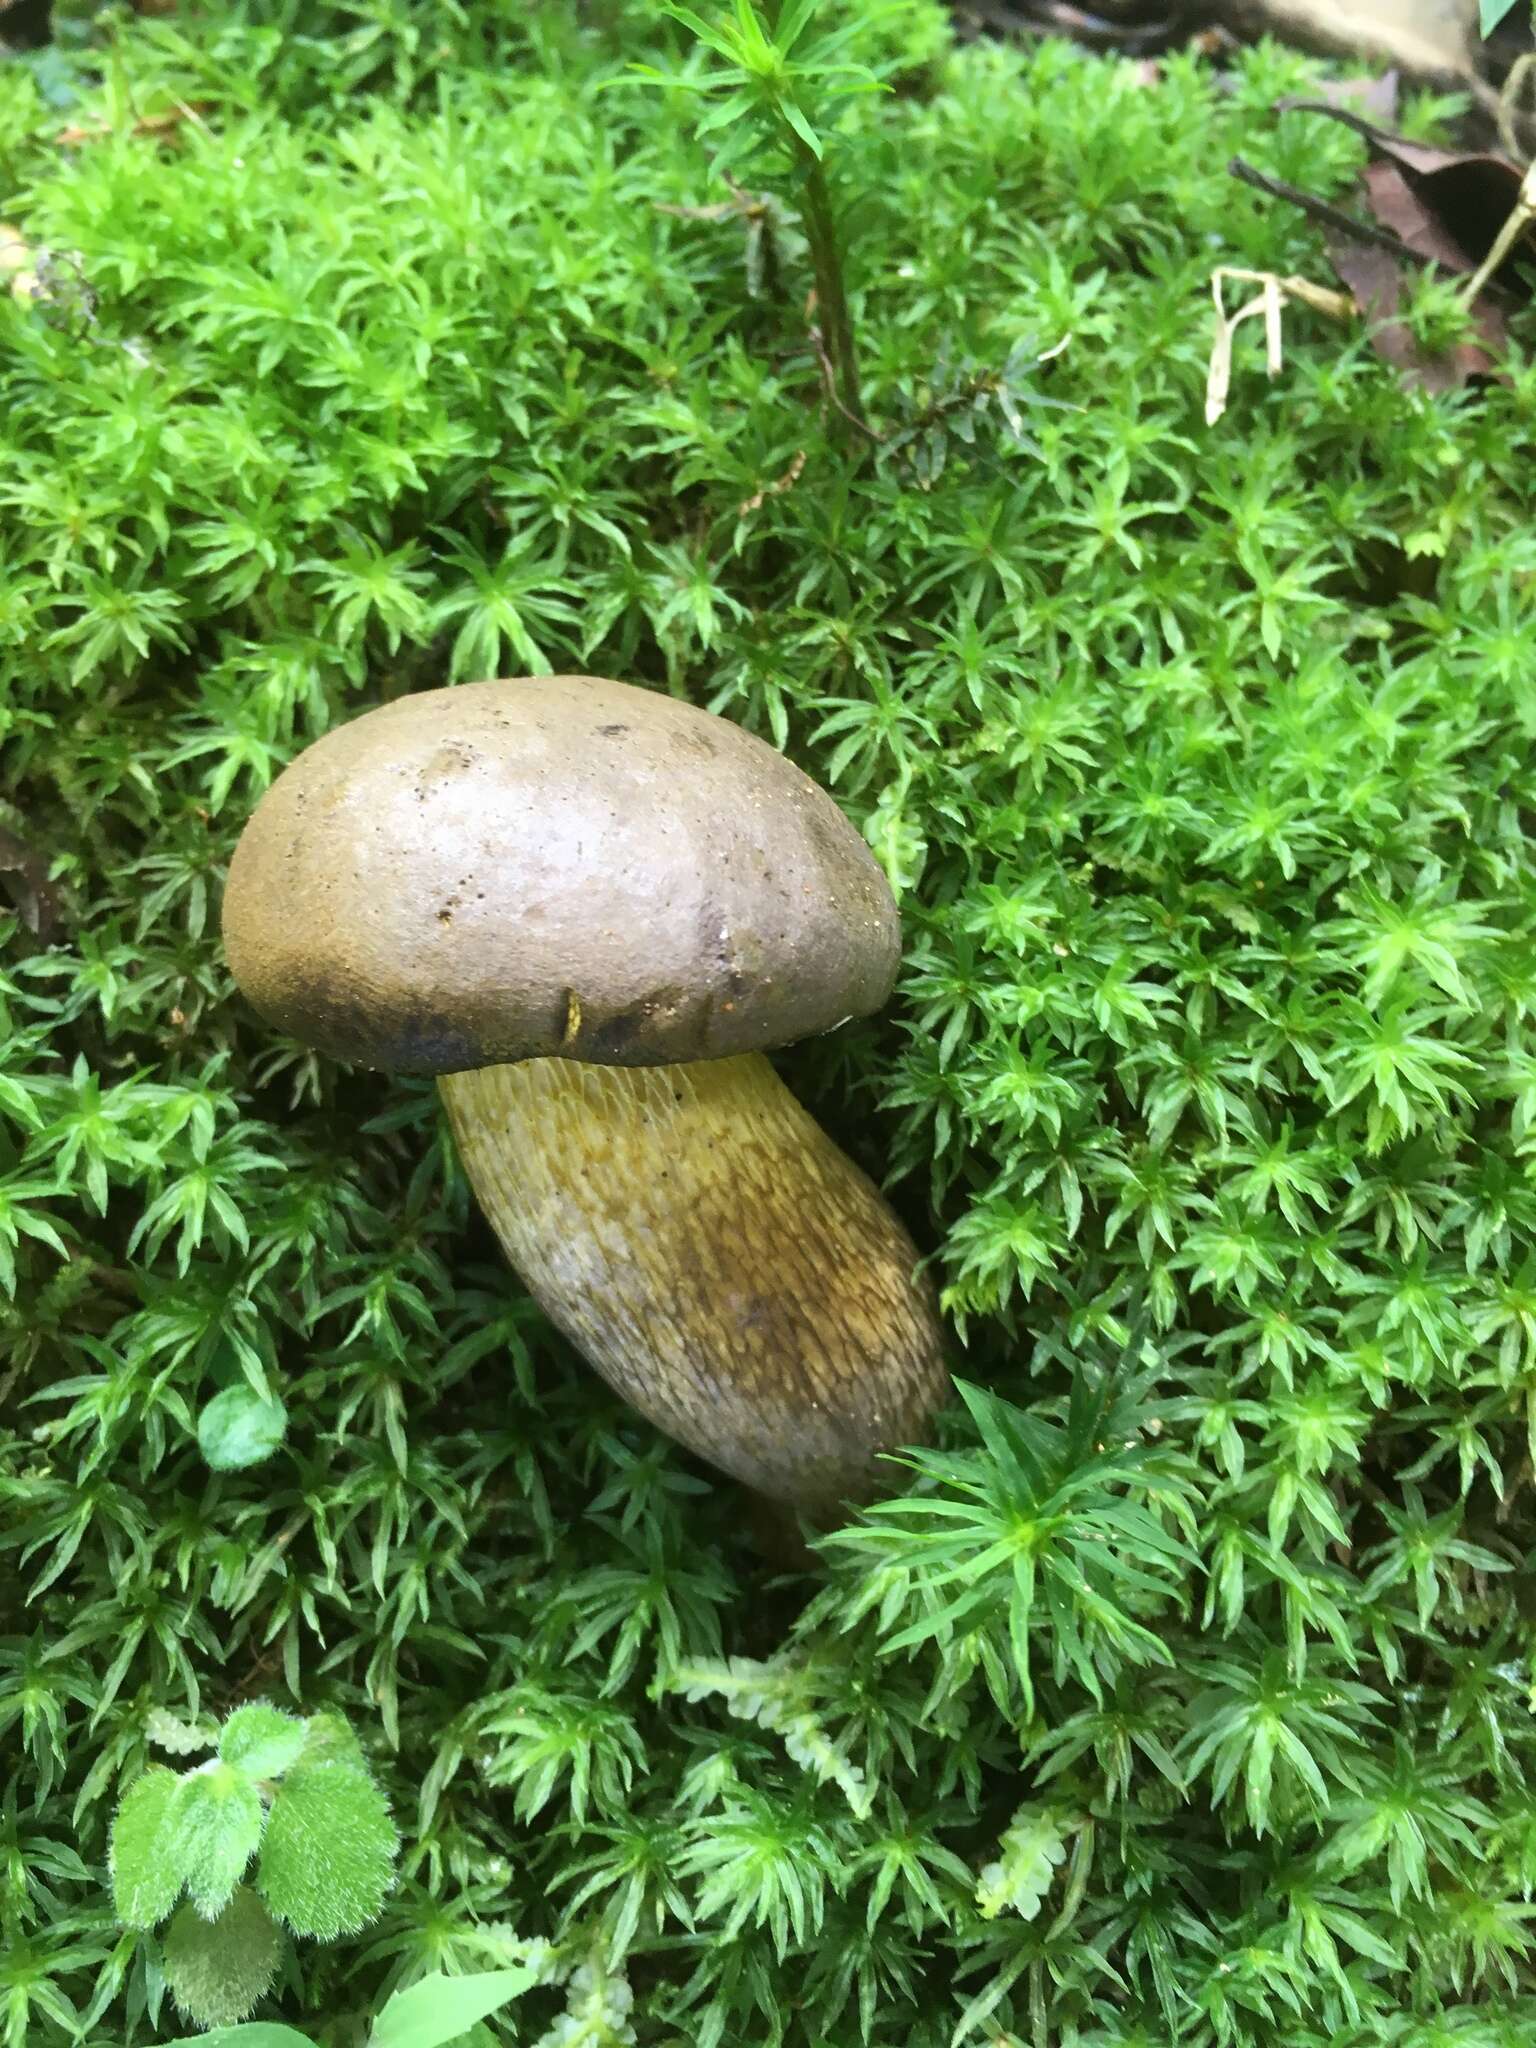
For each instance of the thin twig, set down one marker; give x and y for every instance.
(1515, 228)
(1094, 32)
(1319, 209)
(779, 485)
(1347, 115)
(147, 124)
(829, 383)
(1521, 74)
(1347, 224)
(742, 205)
(1274, 290)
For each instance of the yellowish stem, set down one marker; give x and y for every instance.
(715, 1256)
(1519, 220)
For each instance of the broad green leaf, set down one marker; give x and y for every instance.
(440, 2009)
(260, 1740)
(249, 2034)
(218, 1969)
(146, 1876)
(1492, 12)
(216, 1816)
(237, 1428)
(328, 1855)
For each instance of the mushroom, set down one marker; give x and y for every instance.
(590, 910)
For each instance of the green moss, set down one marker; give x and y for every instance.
(1202, 759)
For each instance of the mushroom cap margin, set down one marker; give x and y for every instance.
(556, 865)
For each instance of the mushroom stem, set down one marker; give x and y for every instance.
(714, 1255)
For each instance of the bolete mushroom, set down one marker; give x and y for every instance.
(590, 910)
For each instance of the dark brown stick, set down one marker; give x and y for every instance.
(1348, 224)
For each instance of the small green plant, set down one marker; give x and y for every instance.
(1436, 312)
(294, 1797)
(964, 406)
(773, 92)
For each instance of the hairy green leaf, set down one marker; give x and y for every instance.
(215, 1818)
(218, 1969)
(327, 1857)
(148, 1872)
(261, 1741)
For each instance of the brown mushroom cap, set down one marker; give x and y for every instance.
(558, 865)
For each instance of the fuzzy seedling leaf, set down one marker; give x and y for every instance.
(331, 1738)
(216, 1819)
(329, 1850)
(146, 1877)
(441, 2009)
(218, 1969)
(261, 1741)
(238, 1428)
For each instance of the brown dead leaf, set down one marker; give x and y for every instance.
(1374, 98)
(163, 123)
(1446, 204)
(1451, 210)
(24, 878)
(1469, 213)
(1375, 278)
(1400, 206)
